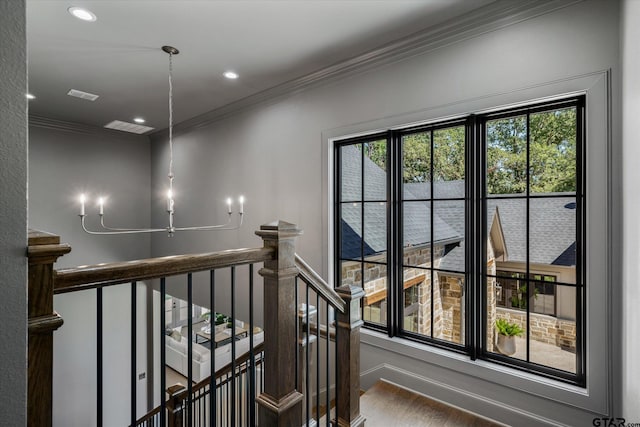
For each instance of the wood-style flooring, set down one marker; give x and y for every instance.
(386, 405)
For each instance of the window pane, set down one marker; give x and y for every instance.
(375, 170)
(417, 233)
(351, 230)
(351, 172)
(416, 301)
(448, 162)
(416, 163)
(448, 231)
(552, 157)
(375, 290)
(516, 320)
(449, 309)
(507, 155)
(507, 232)
(553, 235)
(553, 339)
(375, 231)
(351, 273)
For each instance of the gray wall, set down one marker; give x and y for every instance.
(65, 160)
(630, 13)
(276, 153)
(13, 212)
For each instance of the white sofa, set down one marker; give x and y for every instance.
(176, 355)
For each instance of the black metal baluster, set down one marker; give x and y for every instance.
(189, 348)
(252, 356)
(306, 371)
(233, 341)
(327, 385)
(318, 357)
(336, 397)
(133, 352)
(297, 302)
(163, 356)
(212, 361)
(99, 356)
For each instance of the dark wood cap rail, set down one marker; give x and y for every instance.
(100, 275)
(318, 284)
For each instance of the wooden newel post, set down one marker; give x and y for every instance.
(348, 358)
(280, 404)
(44, 249)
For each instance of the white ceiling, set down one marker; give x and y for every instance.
(267, 42)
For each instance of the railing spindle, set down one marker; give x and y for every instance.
(252, 355)
(318, 359)
(134, 343)
(212, 361)
(233, 342)
(163, 351)
(189, 348)
(99, 390)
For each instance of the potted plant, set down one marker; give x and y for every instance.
(507, 333)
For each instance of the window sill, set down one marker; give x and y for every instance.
(480, 370)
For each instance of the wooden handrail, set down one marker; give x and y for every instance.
(100, 275)
(319, 285)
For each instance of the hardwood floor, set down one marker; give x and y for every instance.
(387, 405)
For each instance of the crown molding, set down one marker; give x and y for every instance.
(493, 17)
(79, 128)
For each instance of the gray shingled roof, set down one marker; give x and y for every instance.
(417, 227)
(552, 219)
(552, 229)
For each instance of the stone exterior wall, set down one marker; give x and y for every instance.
(544, 328)
(451, 297)
(491, 297)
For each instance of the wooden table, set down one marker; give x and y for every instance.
(223, 337)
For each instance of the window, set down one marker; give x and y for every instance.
(451, 226)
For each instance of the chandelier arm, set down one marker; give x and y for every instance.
(129, 231)
(120, 229)
(212, 227)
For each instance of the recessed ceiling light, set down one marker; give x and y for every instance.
(230, 75)
(139, 120)
(31, 96)
(84, 14)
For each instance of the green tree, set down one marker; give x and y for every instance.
(552, 153)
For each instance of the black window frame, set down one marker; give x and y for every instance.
(476, 235)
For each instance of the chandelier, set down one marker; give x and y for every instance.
(170, 229)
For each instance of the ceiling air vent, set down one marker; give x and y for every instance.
(128, 127)
(83, 95)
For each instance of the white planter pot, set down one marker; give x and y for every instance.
(506, 344)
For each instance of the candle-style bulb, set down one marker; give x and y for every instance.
(229, 201)
(241, 200)
(169, 201)
(101, 205)
(83, 199)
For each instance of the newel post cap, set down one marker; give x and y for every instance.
(278, 230)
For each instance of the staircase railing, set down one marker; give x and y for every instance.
(293, 385)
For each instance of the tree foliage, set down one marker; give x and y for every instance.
(552, 153)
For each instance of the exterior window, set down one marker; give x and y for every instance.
(451, 227)
(362, 226)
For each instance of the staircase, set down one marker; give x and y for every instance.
(385, 405)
